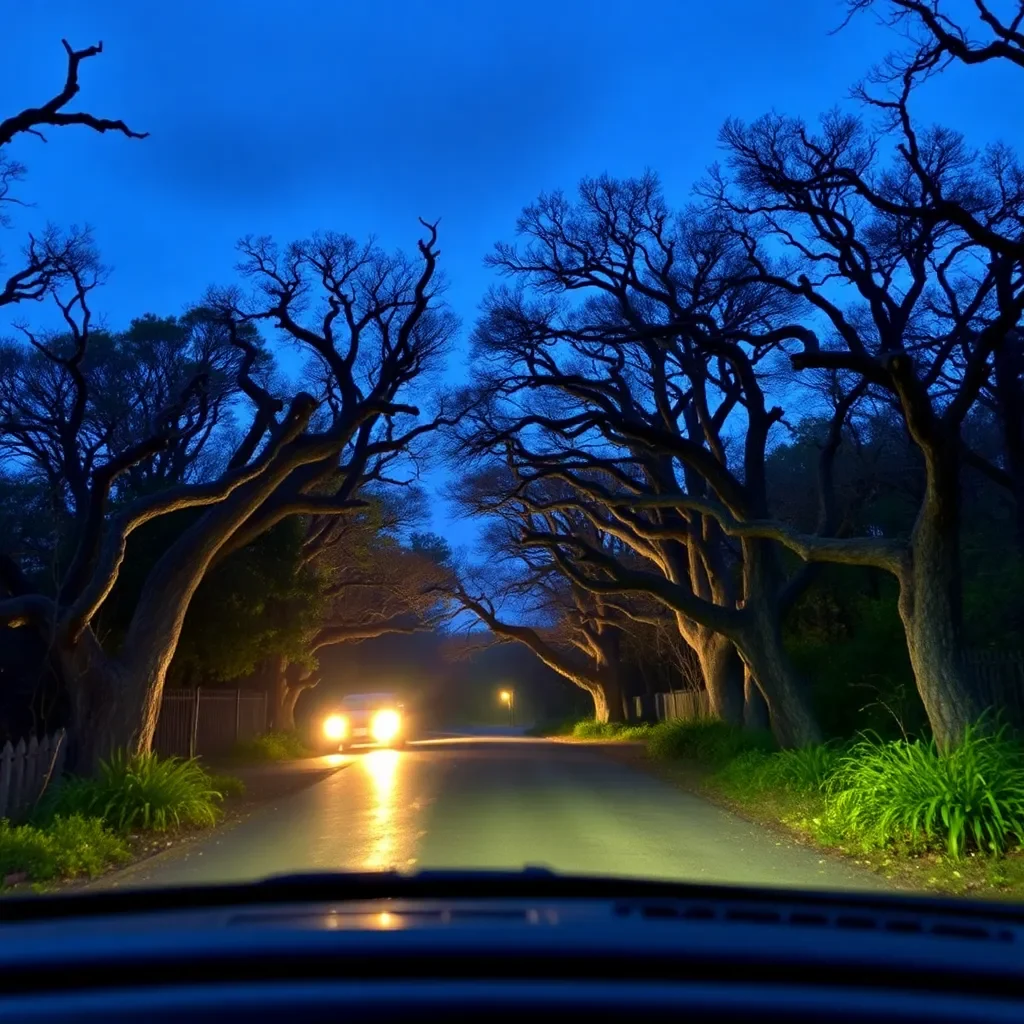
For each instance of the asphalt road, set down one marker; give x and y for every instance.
(494, 802)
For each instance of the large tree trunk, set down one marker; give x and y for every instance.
(759, 641)
(614, 695)
(755, 707)
(281, 718)
(286, 718)
(789, 708)
(134, 681)
(108, 711)
(930, 608)
(601, 709)
(722, 669)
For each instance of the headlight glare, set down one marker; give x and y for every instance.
(335, 727)
(385, 726)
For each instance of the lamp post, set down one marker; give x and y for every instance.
(508, 697)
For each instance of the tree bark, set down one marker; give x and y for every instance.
(722, 669)
(930, 608)
(610, 686)
(280, 718)
(755, 707)
(133, 682)
(105, 703)
(601, 708)
(286, 718)
(793, 721)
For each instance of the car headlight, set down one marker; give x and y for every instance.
(335, 727)
(385, 726)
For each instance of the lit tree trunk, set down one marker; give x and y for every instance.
(281, 719)
(286, 720)
(930, 608)
(607, 675)
(723, 675)
(132, 683)
(601, 709)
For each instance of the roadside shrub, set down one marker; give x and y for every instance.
(637, 731)
(272, 746)
(141, 791)
(67, 847)
(227, 785)
(588, 729)
(711, 742)
(973, 796)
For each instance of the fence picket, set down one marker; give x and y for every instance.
(208, 723)
(6, 771)
(17, 778)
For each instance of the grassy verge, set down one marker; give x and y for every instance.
(949, 822)
(85, 826)
(588, 729)
(272, 746)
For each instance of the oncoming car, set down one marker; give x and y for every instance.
(367, 718)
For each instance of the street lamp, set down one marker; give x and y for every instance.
(508, 698)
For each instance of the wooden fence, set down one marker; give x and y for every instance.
(682, 704)
(26, 770)
(208, 722)
(997, 675)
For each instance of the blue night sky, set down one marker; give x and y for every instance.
(288, 118)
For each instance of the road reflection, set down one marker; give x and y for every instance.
(382, 768)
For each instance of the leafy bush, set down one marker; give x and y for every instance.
(972, 796)
(272, 746)
(711, 742)
(67, 847)
(141, 791)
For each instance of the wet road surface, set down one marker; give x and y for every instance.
(494, 802)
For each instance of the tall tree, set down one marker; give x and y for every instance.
(629, 364)
(913, 310)
(380, 327)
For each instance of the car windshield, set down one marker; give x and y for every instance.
(483, 436)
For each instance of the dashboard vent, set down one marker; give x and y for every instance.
(845, 920)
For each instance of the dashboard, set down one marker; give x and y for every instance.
(454, 946)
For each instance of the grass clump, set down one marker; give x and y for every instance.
(272, 746)
(227, 785)
(141, 791)
(588, 729)
(711, 742)
(65, 848)
(887, 793)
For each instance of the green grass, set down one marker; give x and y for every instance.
(64, 848)
(227, 785)
(588, 729)
(875, 794)
(140, 791)
(272, 746)
(908, 792)
(711, 742)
